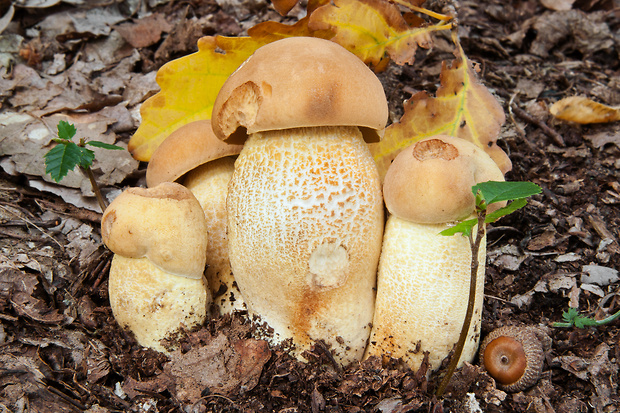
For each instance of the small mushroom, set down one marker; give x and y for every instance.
(193, 155)
(514, 356)
(156, 282)
(304, 205)
(423, 279)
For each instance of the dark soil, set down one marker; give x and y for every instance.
(61, 350)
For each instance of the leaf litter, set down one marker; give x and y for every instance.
(61, 349)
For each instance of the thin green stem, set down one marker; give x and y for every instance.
(102, 202)
(607, 319)
(460, 344)
(588, 321)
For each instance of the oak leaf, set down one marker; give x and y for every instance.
(271, 31)
(189, 86)
(284, 6)
(583, 110)
(463, 108)
(374, 30)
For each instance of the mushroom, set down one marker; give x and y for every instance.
(156, 282)
(423, 279)
(305, 215)
(203, 164)
(514, 356)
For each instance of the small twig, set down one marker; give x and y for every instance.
(557, 138)
(34, 225)
(501, 300)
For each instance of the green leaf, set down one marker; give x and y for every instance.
(570, 315)
(86, 157)
(464, 227)
(508, 209)
(66, 130)
(61, 159)
(574, 318)
(105, 145)
(494, 191)
(583, 321)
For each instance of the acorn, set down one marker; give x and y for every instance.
(514, 356)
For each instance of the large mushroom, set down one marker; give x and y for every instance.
(156, 283)
(423, 278)
(203, 164)
(305, 214)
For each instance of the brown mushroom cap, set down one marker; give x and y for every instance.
(164, 224)
(430, 181)
(185, 149)
(300, 82)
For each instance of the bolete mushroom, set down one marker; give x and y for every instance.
(203, 164)
(305, 215)
(423, 279)
(156, 283)
(514, 356)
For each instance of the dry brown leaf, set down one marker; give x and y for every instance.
(374, 30)
(557, 4)
(283, 6)
(463, 107)
(583, 110)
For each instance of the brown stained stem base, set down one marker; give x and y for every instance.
(460, 344)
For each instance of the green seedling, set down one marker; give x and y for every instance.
(572, 317)
(65, 156)
(486, 193)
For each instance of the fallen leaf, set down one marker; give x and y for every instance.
(189, 86)
(599, 275)
(144, 32)
(463, 108)
(600, 371)
(603, 138)
(221, 366)
(557, 4)
(373, 30)
(583, 110)
(6, 18)
(284, 6)
(271, 31)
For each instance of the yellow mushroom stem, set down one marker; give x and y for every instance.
(305, 221)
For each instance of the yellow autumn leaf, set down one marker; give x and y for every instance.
(189, 86)
(373, 30)
(463, 108)
(583, 110)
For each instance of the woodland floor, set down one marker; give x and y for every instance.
(60, 348)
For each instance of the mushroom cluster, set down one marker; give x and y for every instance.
(294, 227)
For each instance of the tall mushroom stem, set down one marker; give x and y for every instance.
(460, 344)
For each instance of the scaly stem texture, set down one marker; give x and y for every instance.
(460, 344)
